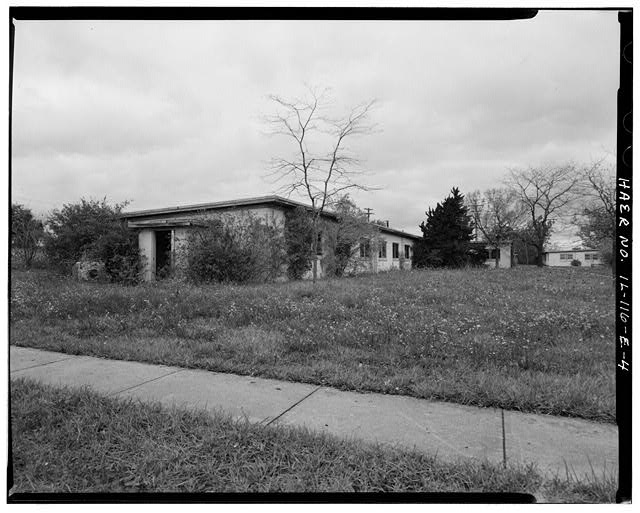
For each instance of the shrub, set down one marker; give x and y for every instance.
(235, 249)
(118, 250)
(298, 242)
(347, 235)
(92, 229)
(26, 234)
(576, 263)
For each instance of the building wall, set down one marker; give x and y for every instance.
(147, 248)
(272, 215)
(380, 263)
(269, 214)
(504, 258)
(557, 260)
(180, 235)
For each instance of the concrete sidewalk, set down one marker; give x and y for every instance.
(452, 431)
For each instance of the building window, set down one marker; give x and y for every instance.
(319, 245)
(566, 256)
(591, 256)
(382, 250)
(407, 251)
(395, 250)
(365, 249)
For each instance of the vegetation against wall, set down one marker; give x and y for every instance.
(338, 244)
(298, 242)
(348, 237)
(94, 230)
(236, 248)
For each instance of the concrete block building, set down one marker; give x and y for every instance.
(504, 255)
(163, 234)
(564, 257)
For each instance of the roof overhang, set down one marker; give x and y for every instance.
(262, 201)
(162, 223)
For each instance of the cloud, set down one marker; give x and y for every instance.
(165, 113)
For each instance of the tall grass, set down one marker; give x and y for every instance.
(537, 340)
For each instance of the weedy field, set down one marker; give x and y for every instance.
(67, 440)
(529, 339)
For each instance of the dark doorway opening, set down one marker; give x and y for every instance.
(163, 253)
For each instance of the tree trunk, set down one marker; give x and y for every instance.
(497, 258)
(314, 250)
(539, 261)
(613, 256)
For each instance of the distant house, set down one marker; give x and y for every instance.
(564, 257)
(503, 252)
(163, 233)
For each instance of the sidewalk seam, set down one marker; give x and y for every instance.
(504, 441)
(43, 364)
(292, 406)
(145, 382)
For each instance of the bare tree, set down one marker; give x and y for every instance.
(497, 214)
(544, 193)
(322, 167)
(597, 221)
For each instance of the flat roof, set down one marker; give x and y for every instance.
(260, 200)
(247, 202)
(570, 251)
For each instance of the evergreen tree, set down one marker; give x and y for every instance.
(445, 234)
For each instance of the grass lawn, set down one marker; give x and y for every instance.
(529, 339)
(67, 440)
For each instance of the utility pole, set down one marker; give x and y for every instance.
(369, 212)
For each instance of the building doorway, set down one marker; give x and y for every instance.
(163, 253)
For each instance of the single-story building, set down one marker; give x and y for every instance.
(163, 233)
(503, 252)
(564, 257)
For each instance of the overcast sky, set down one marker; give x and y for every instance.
(170, 113)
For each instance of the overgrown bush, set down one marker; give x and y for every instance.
(236, 249)
(340, 240)
(26, 234)
(92, 229)
(576, 263)
(118, 250)
(298, 242)
(346, 236)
